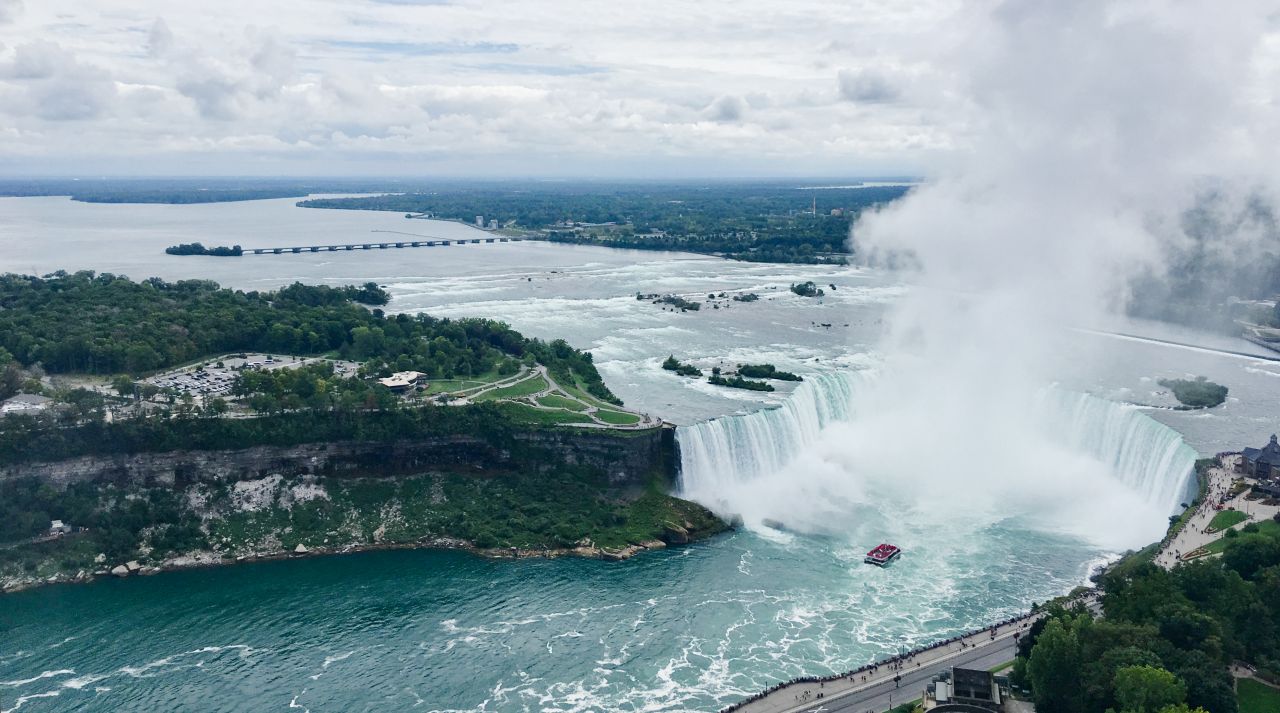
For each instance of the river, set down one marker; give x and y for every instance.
(688, 629)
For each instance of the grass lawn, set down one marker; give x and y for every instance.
(522, 388)
(1003, 666)
(1270, 528)
(1254, 697)
(554, 401)
(617, 418)
(1226, 519)
(531, 415)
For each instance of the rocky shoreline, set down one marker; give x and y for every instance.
(678, 536)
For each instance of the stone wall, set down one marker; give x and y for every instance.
(627, 459)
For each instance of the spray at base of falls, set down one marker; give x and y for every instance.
(823, 462)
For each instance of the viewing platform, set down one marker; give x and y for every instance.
(379, 245)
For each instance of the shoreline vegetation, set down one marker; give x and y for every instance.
(758, 222)
(569, 513)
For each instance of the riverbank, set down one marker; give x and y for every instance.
(686, 534)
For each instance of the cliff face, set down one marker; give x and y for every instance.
(628, 459)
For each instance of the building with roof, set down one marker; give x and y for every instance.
(1262, 463)
(964, 690)
(25, 403)
(401, 380)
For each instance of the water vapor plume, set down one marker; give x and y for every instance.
(1096, 126)
(1091, 128)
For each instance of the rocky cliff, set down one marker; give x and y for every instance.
(627, 459)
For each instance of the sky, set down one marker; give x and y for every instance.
(476, 88)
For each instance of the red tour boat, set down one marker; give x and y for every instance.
(882, 554)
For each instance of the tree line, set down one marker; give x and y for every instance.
(1166, 638)
(108, 324)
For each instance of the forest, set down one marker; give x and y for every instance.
(746, 221)
(1165, 639)
(108, 324)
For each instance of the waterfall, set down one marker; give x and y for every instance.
(716, 454)
(720, 456)
(1143, 453)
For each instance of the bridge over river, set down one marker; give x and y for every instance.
(415, 241)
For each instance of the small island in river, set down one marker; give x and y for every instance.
(1196, 393)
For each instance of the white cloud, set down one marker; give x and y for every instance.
(561, 86)
(10, 10)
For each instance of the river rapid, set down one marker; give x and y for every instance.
(691, 629)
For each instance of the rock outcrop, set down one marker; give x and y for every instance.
(628, 459)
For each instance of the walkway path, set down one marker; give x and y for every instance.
(1193, 535)
(894, 682)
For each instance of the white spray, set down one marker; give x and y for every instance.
(1091, 126)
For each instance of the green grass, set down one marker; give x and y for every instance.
(440, 386)
(530, 415)
(556, 401)
(617, 418)
(515, 391)
(1255, 697)
(1002, 667)
(1226, 519)
(1270, 528)
(578, 390)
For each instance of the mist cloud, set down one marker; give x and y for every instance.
(1096, 126)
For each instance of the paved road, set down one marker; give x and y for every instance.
(884, 695)
(876, 691)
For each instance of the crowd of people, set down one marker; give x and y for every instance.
(894, 663)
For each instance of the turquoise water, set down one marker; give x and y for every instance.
(687, 629)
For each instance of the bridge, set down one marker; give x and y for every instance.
(421, 241)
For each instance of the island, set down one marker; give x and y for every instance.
(807, 289)
(1196, 393)
(161, 424)
(198, 249)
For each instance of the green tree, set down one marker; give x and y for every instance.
(1250, 554)
(1053, 669)
(1147, 689)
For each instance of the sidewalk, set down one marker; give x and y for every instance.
(1193, 535)
(802, 696)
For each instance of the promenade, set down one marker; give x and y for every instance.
(1193, 536)
(879, 687)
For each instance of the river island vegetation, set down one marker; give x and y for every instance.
(807, 289)
(673, 364)
(199, 249)
(737, 382)
(766, 371)
(1196, 393)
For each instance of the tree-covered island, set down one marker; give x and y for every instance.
(1196, 393)
(427, 431)
(199, 249)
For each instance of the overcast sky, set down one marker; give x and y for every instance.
(481, 88)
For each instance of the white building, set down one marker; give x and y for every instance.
(401, 380)
(480, 220)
